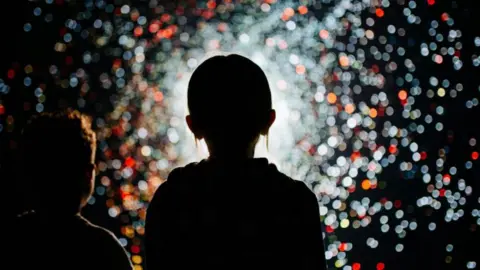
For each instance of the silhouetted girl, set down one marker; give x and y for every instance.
(232, 211)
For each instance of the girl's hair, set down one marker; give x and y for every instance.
(229, 99)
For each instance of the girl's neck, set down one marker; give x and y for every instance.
(222, 153)
(232, 150)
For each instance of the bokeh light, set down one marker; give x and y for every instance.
(347, 87)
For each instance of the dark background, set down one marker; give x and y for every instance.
(423, 249)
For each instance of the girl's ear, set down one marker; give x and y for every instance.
(271, 119)
(194, 128)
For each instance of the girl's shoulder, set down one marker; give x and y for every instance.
(262, 173)
(179, 177)
(289, 184)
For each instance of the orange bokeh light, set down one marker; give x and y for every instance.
(300, 69)
(349, 108)
(402, 95)
(324, 34)
(289, 12)
(344, 61)
(331, 98)
(302, 10)
(366, 184)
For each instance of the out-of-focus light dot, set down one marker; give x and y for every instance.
(136, 259)
(39, 107)
(402, 94)
(379, 12)
(300, 69)
(324, 34)
(142, 133)
(331, 98)
(369, 34)
(173, 135)
(413, 225)
(123, 242)
(27, 81)
(432, 226)
(37, 11)
(344, 61)
(291, 25)
(244, 38)
(399, 248)
(265, 7)
(366, 184)
(142, 20)
(91, 200)
(391, 29)
(97, 23)
(344, 223)
(192, 63)
(113, 212)
(142, 185)
(282, 85)
(441, 92)
(100, 190)
(125, 9)
(323, 210)
(439, 110)
(380, 266)
(469, 104)
(471, 265)
(27, 27)
(468, 165)
(146, 150)
(449, 248)
(67, 37)
(73, 82)
(413, 147)
(339, 263)
(439, 126)
(472, 142)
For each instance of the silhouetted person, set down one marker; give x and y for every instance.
(58, 154)
(232, 211)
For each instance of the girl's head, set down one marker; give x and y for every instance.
(230, 104)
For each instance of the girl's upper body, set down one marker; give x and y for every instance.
(232, 211)
(233, 215)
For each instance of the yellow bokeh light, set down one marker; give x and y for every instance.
(441, 92)
(344, 223)
(136, 259)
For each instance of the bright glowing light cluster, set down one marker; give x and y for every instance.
(345, 87)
